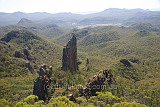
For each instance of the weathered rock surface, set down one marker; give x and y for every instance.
(40, 89)
(69, 59)
(42, 83)
(97, 83)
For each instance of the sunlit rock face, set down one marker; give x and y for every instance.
(69, 58)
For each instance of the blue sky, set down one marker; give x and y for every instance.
(74, 6)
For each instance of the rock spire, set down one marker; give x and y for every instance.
(69, 58)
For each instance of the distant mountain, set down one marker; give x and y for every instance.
(115, 12)
(24, 21)
(13, 18)
(123, 16)
(108, 16)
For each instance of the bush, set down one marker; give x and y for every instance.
(80, 100)
(31, 99)
(4, 103)
(61, 101)
(128, 104)
(21, 104)
(39, 103)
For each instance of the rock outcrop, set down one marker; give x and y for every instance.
(20, 36)
(134, 60)
(10, 36)
(87, 65)
(25, 54)
(42, 83)
(125, 62)
(97, 83)
(69, 59)
(18, 54)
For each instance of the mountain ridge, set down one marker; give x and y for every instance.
(121, 14)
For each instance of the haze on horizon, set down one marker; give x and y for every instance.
(74, 6)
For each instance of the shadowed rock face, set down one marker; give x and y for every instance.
(69, 59)
(42, 83)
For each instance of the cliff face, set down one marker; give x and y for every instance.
(69, 59)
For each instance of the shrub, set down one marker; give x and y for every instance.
(128, 104)
(61, 101)
(4, 103)
(31, 99)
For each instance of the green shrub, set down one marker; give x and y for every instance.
(128, 104)
(61, 101)
(31, 99)
(4, 103)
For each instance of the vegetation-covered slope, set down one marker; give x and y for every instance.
(132, 54)
(21, 54)
(139, 43)
(41, 51)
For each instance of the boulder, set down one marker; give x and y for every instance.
(18, 54)
(134, 60)
(27, 54)
(125, 62)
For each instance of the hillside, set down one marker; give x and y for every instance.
(131, 54)
(45, 30)
(17, 41)
(117, 42)
(22, 52)
(108, 46)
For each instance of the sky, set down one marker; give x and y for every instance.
(74, 6)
